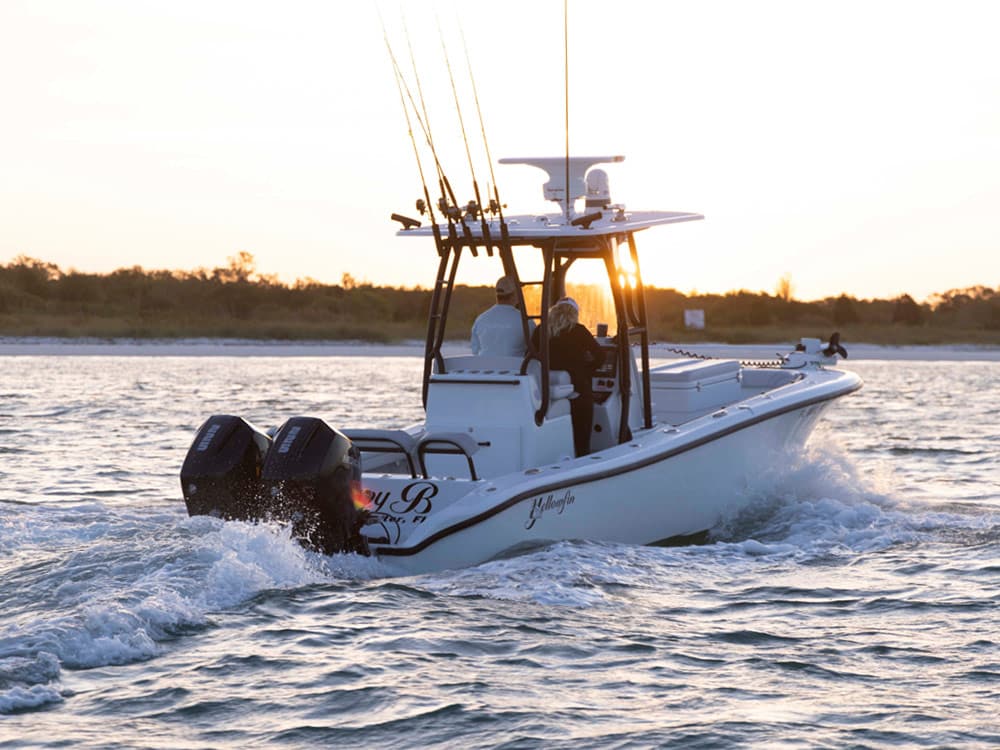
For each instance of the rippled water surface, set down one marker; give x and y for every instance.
(854, 603)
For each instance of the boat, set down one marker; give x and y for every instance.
(491, 471)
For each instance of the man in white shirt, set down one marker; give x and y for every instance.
(498, 332)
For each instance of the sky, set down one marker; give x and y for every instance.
(852, 147)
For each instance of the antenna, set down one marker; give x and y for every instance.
(569, 205)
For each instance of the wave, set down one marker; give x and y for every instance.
(129, 583)
(815, 512)
(90, 585)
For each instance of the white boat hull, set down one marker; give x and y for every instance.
(669, 482)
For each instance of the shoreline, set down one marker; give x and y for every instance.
(197, 347)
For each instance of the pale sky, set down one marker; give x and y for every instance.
(854, 146)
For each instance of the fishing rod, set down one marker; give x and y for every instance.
(478, 208)
(423, 108)
(496, 207)
(438, 306)
(400, 85)
(450, 210)
(507, 257)
(413, 139)
(443, 256)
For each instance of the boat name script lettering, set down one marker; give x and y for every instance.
(286, 444)
(414, 498)
(540, 505)
(209, 434)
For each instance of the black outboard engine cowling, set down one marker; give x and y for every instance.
(221, 474)
(312, 478)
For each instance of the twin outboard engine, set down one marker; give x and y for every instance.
(308, 475)
(312, 477)
(221, 474)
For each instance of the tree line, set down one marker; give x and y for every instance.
(40, 299)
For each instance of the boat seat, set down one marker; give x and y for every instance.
(386, 441)
(560, 384)
(560, 389)
(451, 443)
(481, 364)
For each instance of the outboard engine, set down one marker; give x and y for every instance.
(220, 476)
(311, 478)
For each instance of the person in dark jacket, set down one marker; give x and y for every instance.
(574, 349)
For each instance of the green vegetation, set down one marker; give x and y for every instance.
(40, 299)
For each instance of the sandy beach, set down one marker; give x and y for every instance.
(21, 347)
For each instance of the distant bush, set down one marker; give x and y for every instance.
(907, 312)
(845, 312)
(38, 298)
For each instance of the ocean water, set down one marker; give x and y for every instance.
(854, 603)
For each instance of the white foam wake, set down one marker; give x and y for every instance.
(816, 509)
(128, 582)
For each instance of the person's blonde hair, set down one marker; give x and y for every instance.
(563, 315)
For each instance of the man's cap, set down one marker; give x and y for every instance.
(506, 287)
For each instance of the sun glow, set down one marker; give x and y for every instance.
(596, 304)
(628, 272)
(595, 301)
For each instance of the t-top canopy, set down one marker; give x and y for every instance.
(601, 219)
(527, 229)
